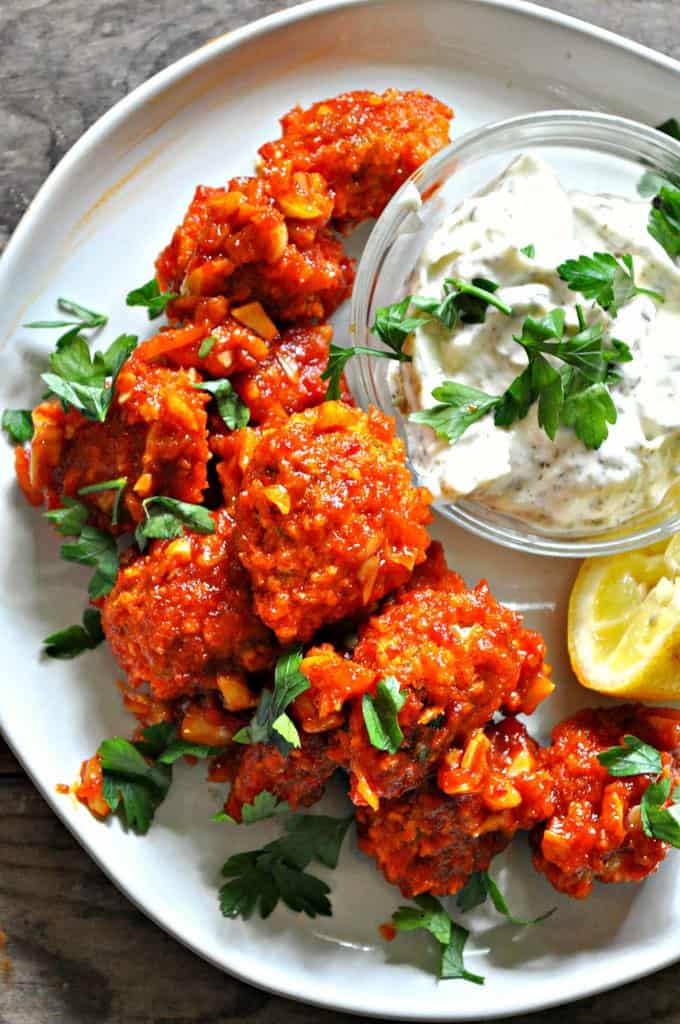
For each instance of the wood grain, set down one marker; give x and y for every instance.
(80, 953)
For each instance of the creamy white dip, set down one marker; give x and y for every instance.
(558, 485)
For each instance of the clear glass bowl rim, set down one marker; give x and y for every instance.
(608, 133)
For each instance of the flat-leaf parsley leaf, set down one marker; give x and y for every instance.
(270, 723)
(151, 298)
(638, 758)
(430, 915)
(480, 886)
(633, 757)
(166, 518)
(72, 641)
(259, 879)
(233, 411)
(381, 715)
(137, 774)
(118, 486)
(265, 805)
(18, 425)
(80, 380)
(70, 518)
(96, 548)
(604, 278)
(459, 406)
(664, 220)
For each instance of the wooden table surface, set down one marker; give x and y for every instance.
(78, 952)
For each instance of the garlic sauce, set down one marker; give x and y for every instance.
(558, 486)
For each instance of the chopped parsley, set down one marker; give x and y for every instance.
(166, 518)
(638, 758)
(233, 411)
(72, 641)
(480, 886)
(206, 346)
(658, 821)
(259, 879)
(85, 318)
(529, 251)
(664, 220)
(430, 915)
(459, 407)
(632, 758)
(270, 723)
(575, 395)
(117, 485)
(18, 425)
(265, 805)
(151, 298)
(98, 549)
(137, 774)
(467, 302)
(606, 279)
(381, 715)
(80, 379)
(70, 518)
(395, 323)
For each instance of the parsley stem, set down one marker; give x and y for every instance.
(652, 294)
(464, 288)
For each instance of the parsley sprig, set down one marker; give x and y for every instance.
(85, 382)
(430, 915)
(95, 548)
(480, 886)
(637, 758)
(167, 518)
(606, 279)
(118, 485)
(151, 298)
(633, 757)
(70, 518)
(381, 715)
(73, 640)
(233, 411)
(259, 879)
(664, 220)
(18, 425)
(84, 318)
(270, 723)
(137, 774)
(460, 300)
(575, 395)
(265, 805)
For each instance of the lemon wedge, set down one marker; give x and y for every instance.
(624, 623)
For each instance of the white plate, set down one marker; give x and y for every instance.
(92, 234)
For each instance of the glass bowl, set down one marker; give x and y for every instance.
(592, 153)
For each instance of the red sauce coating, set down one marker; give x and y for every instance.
(334, 680)
(235, 347)
(328, 520)
(459, 657)
(90, 788)
(155, 434)
(595, 833)
(299, 778)
(428, 841)
(289, 380)
(364, 144)
(259, 240)
(181, 616)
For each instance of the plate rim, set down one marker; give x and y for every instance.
(215, 49)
